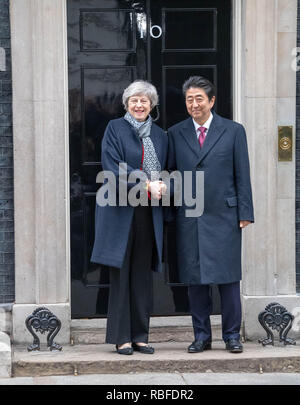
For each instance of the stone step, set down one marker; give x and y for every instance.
(168, 357)
(162, 329)
(157, 334)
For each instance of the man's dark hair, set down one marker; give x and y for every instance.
(199, 82)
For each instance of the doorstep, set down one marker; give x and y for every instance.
(170, 336)
(168, 357)
(162, 329)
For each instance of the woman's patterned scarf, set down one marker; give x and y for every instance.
(151, 165)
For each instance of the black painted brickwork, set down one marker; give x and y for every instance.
(7, 287)
(298, 162)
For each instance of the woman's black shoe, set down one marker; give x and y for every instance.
(125, 350)
(143, 349)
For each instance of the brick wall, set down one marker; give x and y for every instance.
(298, 163)
(6, 162)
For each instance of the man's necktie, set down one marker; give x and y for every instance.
(201, 135)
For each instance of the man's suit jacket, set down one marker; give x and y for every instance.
(209, 246)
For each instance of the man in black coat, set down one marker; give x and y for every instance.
(209, 246)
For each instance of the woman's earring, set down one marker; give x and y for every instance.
(157, 114)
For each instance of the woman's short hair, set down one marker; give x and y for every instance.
(199, 82)
(140, 87)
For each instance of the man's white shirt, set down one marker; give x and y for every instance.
(206, 125)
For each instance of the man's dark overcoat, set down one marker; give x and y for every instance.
(209, 246)
(113, 223)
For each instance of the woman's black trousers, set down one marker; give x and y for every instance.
(130, 294)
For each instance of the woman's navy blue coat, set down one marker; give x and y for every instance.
(112, 224)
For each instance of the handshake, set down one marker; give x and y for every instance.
(156, 188)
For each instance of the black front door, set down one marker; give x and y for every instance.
(110, 44)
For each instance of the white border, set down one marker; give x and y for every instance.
(237, 60)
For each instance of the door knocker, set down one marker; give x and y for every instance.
(159, 31)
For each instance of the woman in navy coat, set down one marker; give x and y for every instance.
(129, 238)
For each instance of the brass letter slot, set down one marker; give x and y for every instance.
(285, 143)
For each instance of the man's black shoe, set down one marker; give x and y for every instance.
(234, 346)
(199, 345)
